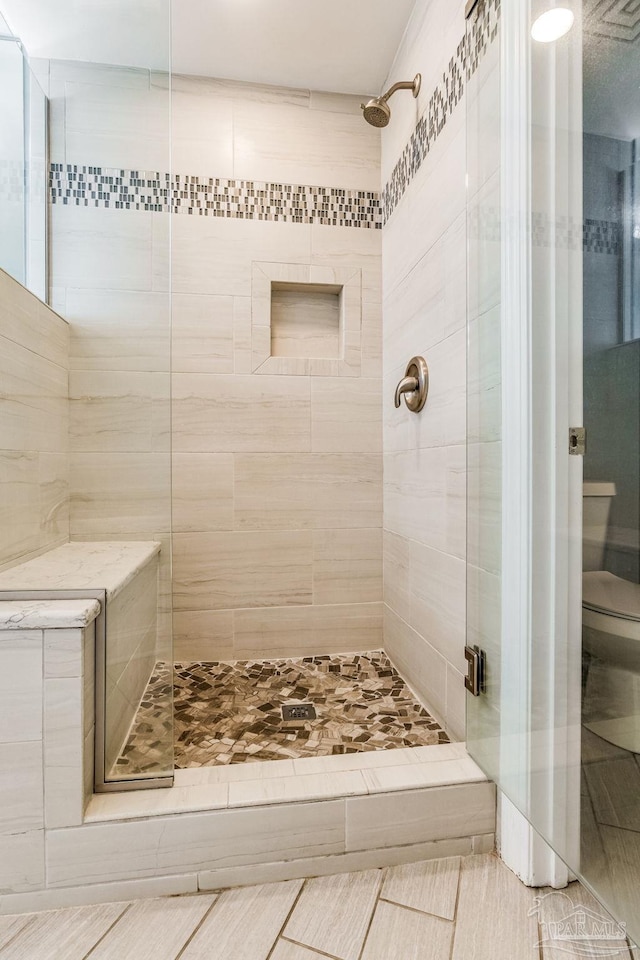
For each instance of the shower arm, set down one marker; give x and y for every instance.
(403, 85)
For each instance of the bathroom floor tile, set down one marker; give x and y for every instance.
(343, 917)
(231, 712)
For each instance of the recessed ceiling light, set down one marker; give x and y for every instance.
(552, 25)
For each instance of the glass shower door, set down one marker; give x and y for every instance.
(23, 169)
(133, 321)
(610, 811)
(12, 159)
(484, 386)
(552, 272)
(110, 229)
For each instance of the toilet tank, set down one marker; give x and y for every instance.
(596, 500)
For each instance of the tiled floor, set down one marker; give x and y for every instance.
(610, 818)
(455, 909)
(231, 712)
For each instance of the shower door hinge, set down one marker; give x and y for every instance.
(577, 441)
(476, 670)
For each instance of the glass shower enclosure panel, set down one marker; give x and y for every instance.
(23, 169)
(85, 209)
(523, 488)
(521, 725)
(553, 592)
(484, 387)
(124, 173)
(610, 811)
(12, 160)
(37, 187)
(109, 85)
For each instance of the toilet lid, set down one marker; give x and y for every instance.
(605, 593)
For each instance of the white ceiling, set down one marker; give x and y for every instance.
(122, 32)
(344, 46)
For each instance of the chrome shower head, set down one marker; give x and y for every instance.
(377, 111)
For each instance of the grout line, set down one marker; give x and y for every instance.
(614, 826)
(383, 875)
(305, 946)
(456, 907)
(422, 913)
(287, 918)
(198, 926)
(108, 930)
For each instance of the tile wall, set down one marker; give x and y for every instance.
(46, 739)
(34, 472)
(277, 467)
(424, 312)
(286, 558)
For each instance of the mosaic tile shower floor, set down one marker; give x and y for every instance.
(231, 712)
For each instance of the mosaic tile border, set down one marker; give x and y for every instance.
(592, 236)
(602, 236)
(595, 236)
(12, 182)
(442, 103)
(155, 192)
(565, 233)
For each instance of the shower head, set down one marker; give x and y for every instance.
(377, 111)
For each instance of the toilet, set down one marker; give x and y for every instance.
(610, 632)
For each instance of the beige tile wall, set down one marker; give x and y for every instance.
(424, 312)
(277, 482)
(34, 418)
(277, 477)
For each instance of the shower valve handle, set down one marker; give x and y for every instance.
(414, 386)
(406, 385)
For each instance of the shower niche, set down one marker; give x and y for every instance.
(306, 320)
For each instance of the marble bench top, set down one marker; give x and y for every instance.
(103, 565)
(47, 614)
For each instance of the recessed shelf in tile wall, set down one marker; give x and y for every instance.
(305, 320)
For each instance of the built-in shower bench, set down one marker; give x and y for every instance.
(78, 641)
(108, 566)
